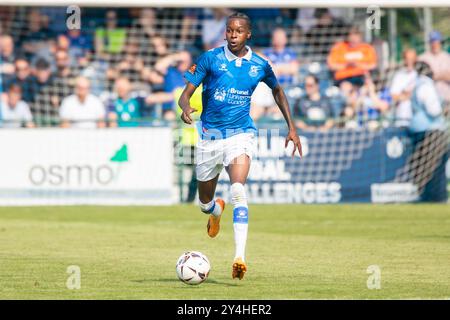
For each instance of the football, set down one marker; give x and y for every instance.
(193, 267)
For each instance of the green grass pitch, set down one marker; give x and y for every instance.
(293, 252)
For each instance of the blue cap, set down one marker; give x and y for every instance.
(434, 36)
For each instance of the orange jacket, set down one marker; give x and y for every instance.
(342, 53)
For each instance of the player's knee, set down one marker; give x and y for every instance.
(238, 196)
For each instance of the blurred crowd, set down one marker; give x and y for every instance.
(124, 67)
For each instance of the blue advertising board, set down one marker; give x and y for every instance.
(344, 165)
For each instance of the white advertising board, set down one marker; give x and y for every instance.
(129, 166)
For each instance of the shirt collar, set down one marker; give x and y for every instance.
(230, 55)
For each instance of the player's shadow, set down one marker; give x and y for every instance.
(172, 280)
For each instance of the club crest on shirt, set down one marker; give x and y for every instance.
(223, 67)
(219, 95)
(193, 68)
(253, 71)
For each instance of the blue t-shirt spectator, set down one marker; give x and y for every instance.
(80, 43)
(128, 112)
(285, 56)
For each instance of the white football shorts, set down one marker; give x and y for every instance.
(213, 155)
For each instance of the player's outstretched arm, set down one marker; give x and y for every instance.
(281, 100)
(184, 103)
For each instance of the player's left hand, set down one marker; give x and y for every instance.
(186, 115)
(293, 136)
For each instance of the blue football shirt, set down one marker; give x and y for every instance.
(228, 84)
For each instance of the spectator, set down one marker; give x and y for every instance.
(37, 34)
(63, 66)
(172, 68)
(189, 25)
(350, 60)
(80, 45)
(42, 77)
(284, 60)
(56, 17)
(428, 128)
(425, 102)
(23, 78)
(439, 61)
(307, 17)
(14, 111)
(350, 96)
(264, 20)
(369, 105)
(402, 87)
(63, 44)
(63, 78)
(144, 29)
(147, 21)
(7, 55)
(159, 49)
(314, 109)
(319, 39)
(213, 27)
(109, 39)
(124, 110)
(131, 64)
(47, 53)
(82, 109)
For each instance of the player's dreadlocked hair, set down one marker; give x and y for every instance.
(240, 15)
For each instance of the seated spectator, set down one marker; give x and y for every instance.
(439, 61)
(213, 27)
(14, 111)
(37, 34)
(366, 106)
(63, 78)
(130, 65)
(80, 45)
(63, 44)
(352, 59)
(82, 109)
(188, 32)
(42, 76)
(314, 110)
(109, 39)
(23, 78)
(172, 68)
(402, 87)
(320, 38)
(7, 55)
(284, 60)
(63, 66)
(159, 49)
(124, 110)
(264, 20)
(47, 53)
(307, 17)
(144, 28)
(55, 17)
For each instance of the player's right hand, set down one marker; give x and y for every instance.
(186, 115)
